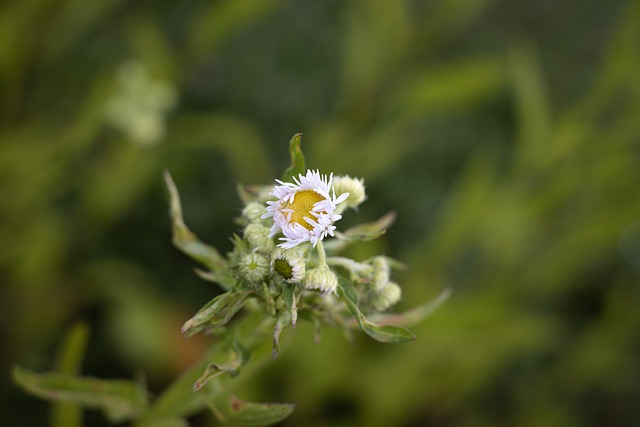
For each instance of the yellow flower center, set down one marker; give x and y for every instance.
(302, 206)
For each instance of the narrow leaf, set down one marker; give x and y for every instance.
(348, 289)
(297, 159)
(230, 409)
(185, 240)
(290, 302)
(236, 358)
(417, 314)
(382, 333)
(277, 330)
(120, 400)
(217, 312)
(360, 233)
(370, 230)
(223, 278)
(387, 333)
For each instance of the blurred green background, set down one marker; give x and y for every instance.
(506, 135)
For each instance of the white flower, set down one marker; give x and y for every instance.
(305, 210)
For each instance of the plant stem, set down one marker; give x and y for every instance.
(322, 257)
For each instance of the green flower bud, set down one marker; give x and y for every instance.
(258, 237)
(251, 268)
(353, 186)
(381, 272)
(388, 297)
(253, 211)
(290, 264)
(321, 279)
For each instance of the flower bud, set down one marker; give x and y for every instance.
(381, 271)
(258, 237)
(251, 268)
(388, 297)
(321, 279)
(289, 264)
(253, 211)
(353, 186)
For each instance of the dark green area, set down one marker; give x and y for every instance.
(505, 135)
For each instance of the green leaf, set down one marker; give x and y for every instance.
(230, 409)
(370, 230)
(361, 233)
(236, 358)
(382, 333)
(290, 301)
(348, 290)
(387, 333)
(417, 314)
(223, 279)
(297, 159)
(217, 312)
(185, 240)
(120, 400)
(277, 330)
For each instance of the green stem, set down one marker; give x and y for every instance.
(322, 256)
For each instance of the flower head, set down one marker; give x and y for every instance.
(290, 264)
(304, 210)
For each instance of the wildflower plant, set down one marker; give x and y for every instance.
(285, 266)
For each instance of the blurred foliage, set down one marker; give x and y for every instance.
(506, 135)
